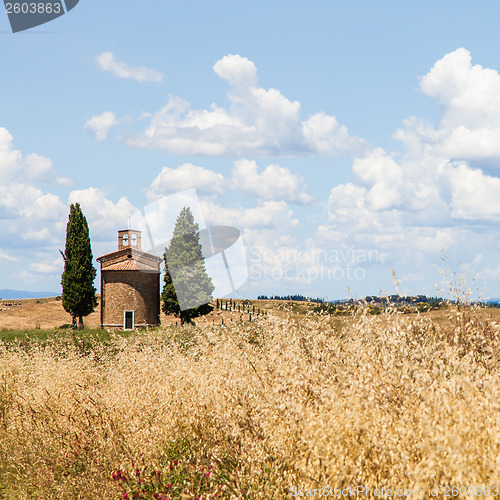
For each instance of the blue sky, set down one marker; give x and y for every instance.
(346, 140)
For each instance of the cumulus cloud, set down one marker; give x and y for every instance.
(325, 135)
(269, 214)
(42, 235)
(467, 94)
(31, 218)
(475, 196)
(38, 167)
(186, 176)
(108, 62)
(22, 200)
(265, 215)
(383, 176)
(258, 121)
(275, 182)
(54, 266)
(267, 230)
(19, 197)
(468, 97)
(10, 159)
(103, 215)
(31, 167)
(391, 200)
(101, 124)
(4, 256)
(44, 266)
(237, 71)
(437, 194)
(428, 178)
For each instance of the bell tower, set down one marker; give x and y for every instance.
(129, 238)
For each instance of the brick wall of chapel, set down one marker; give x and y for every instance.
(136, 291)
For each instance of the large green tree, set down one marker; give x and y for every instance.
(187, 288)
(79, 294)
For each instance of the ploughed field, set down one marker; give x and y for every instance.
(270, 408)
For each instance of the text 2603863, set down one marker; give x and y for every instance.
(33, 7)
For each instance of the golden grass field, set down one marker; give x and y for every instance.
(48, 313)
(258, 409)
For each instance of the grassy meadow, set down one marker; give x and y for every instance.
(255, 409)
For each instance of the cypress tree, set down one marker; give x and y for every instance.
(78, 291)
(185, 275)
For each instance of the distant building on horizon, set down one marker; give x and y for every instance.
(130, 285)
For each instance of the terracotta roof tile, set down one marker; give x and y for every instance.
(130, 265)
(128, 250)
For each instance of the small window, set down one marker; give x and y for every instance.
(133, 240)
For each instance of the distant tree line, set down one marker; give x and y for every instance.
(432, 302)
(378, 305)
(297, 298)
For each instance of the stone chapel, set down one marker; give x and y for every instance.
(130, 285)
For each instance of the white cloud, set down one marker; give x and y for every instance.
(475, 196)
(33, 221)
(384, 177)
(65, 181)
(32, 167)
(41, 169)
(325, 135)
(104, 217)
(44, 206)
(10, 159)
(22, 200)
(101, 124)
(107, 62)
(274, 183)
(238, 71)
(426, 185)
(265, 215)
(19, 198)
(55, 266)
(42, 235)
(269, 214)
(468, 97)
(268, 233)
(27, 277)
(410, 206)
(44, 266)
(38, 167)
(4, 256)
(186, 176)
(259, 122)
(466, 94)
(31, 218)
